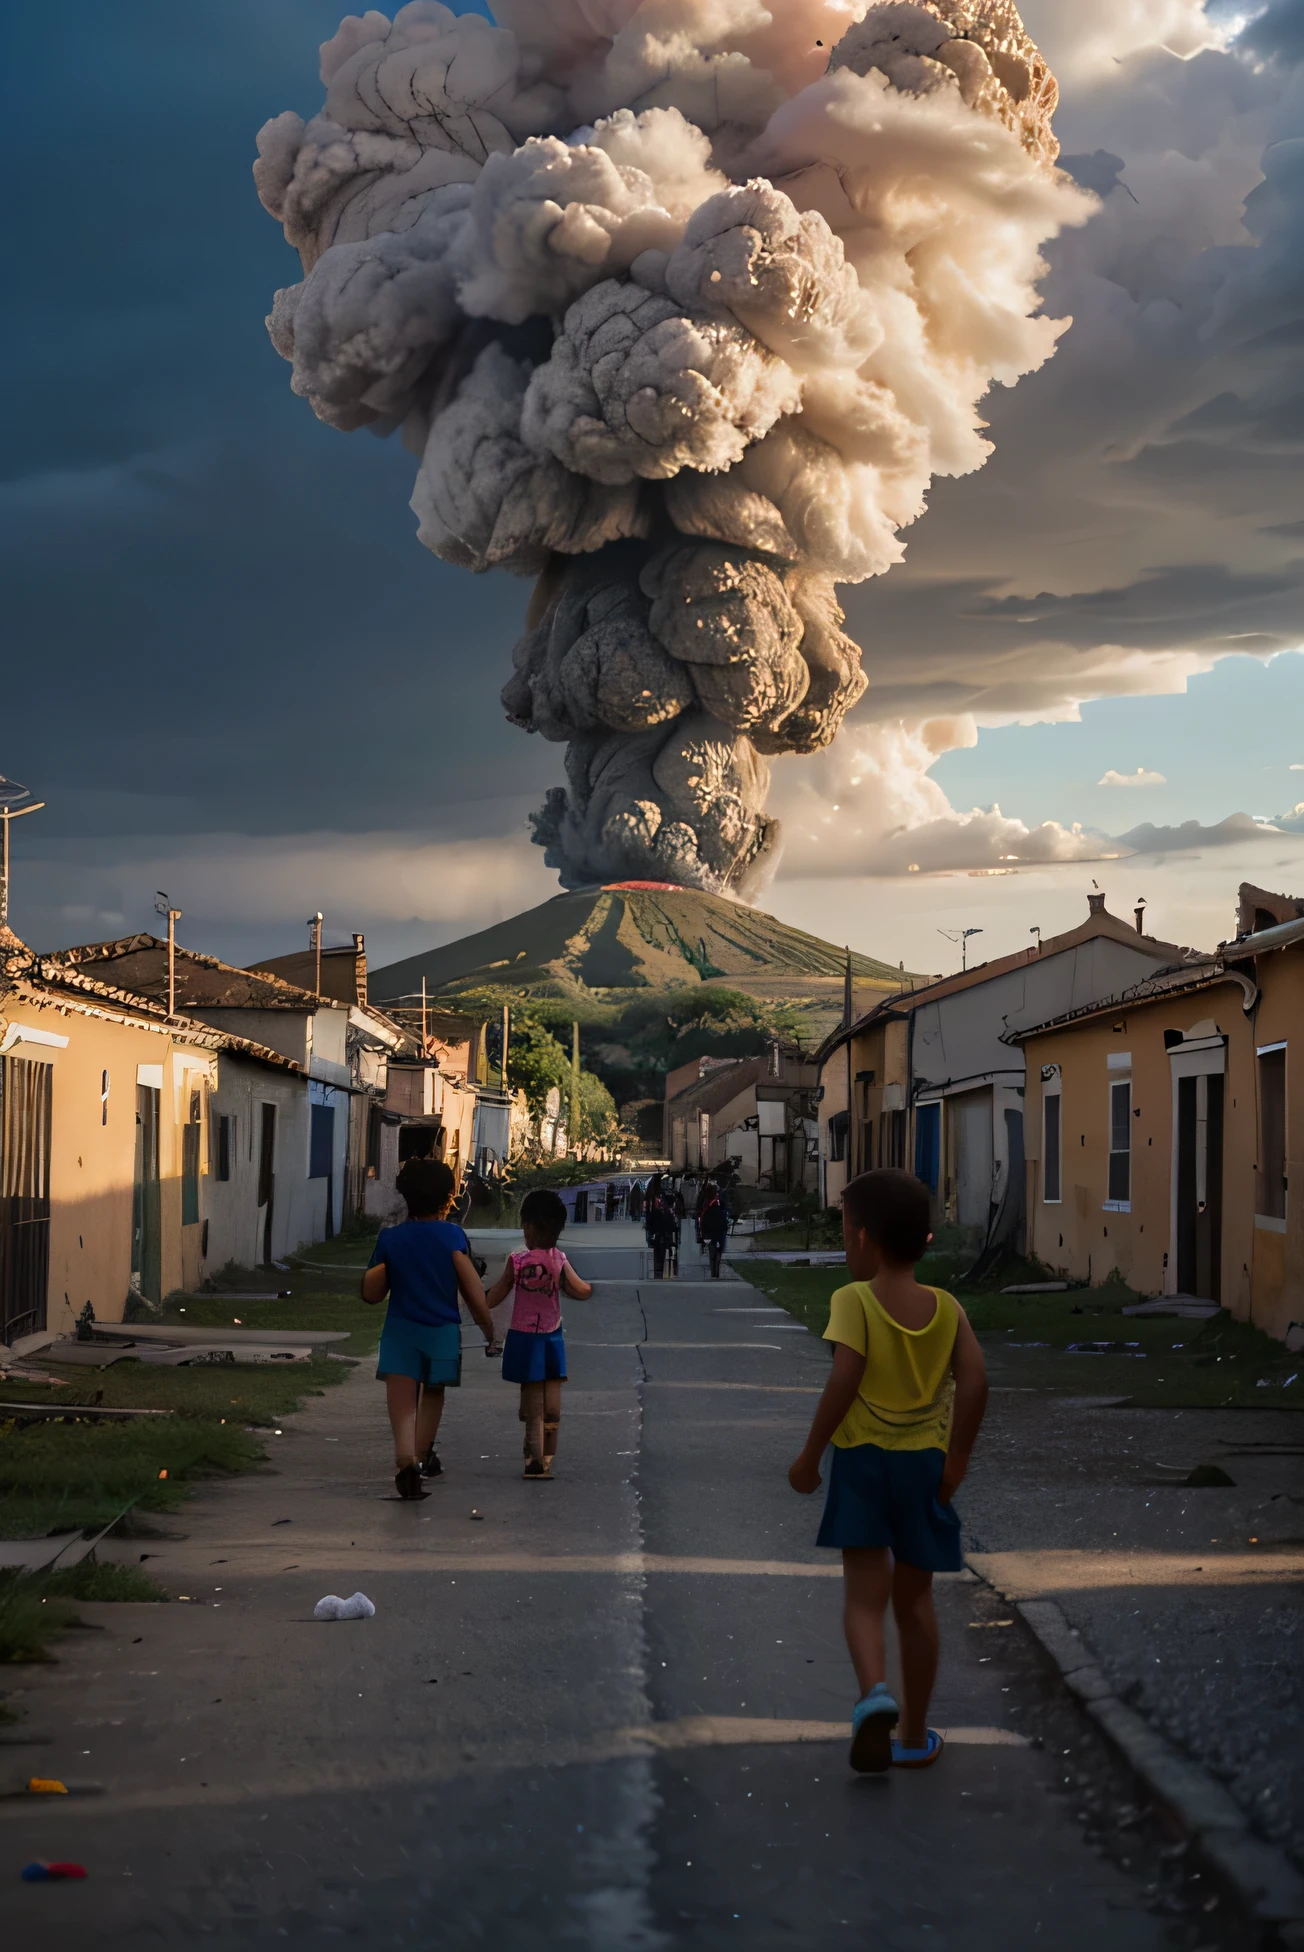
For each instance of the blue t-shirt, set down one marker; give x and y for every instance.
(418, 1257)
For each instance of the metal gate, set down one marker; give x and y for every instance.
(26, 1094)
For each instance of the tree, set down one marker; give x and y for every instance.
(536, 1062)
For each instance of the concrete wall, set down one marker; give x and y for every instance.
(1083, 1236)
(236, 1221)
(93, 1151)
(1277, 1278)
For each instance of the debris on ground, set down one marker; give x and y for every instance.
(357, 1607)
(43, 1873)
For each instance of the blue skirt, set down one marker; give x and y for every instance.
(531, 1358)
(880, 1498)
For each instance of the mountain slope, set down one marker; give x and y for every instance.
(637, 935)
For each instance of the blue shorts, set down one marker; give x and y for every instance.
(534, 1358)
(879, 1498)
(431, 1353)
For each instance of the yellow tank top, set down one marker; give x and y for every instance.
(905, 1397)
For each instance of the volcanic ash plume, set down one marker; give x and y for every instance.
(681, 303)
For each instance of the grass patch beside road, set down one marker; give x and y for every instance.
(65, 1477)
(1177, 1364)
(34, 1607)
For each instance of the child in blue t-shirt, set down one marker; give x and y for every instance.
(423, 1265)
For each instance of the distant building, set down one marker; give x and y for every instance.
(927, 1080)
(756, 1114)
(286, 1148)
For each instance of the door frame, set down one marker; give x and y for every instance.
(1199, 1057)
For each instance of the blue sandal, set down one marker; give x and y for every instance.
(872, 1722)
(904, 1758)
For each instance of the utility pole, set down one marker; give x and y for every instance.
(314, 942)
(574, 1137)
(424, 1034)
(11, 792)
(174, 916)
(506, 1033)
(962, 937)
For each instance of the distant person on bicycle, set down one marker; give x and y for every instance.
(660, 1225)
(712, 1224)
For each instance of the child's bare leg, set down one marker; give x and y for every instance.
(551, 1417)
(912, 1604)
(429, 1411)
(532, 1411)
(401, 1393)
(866, 1589)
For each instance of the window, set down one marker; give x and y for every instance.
(223, 1146)
(321, 1141)
(928, 1144)
(838, 1135)
(1270, 1194)
(1120, 1142)
(1050, 1147)
(190, 1136)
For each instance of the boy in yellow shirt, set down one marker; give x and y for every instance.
(902, 1409)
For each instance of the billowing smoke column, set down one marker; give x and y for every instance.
(682, 304)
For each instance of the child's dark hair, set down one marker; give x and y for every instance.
(894, 1209)
(545, 1212)
(427, 1185)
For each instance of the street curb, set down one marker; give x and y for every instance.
(1263, 1877)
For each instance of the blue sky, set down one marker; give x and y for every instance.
(1224, 745)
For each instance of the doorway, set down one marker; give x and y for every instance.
(1199, 1186)
(267, 1176)
(146, 1222)
(26, 1095)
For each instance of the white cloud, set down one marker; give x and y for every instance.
(866, 805)
(1235, 830)
(1297, 769)
(1141, 777)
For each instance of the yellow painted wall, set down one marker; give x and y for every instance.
(93, 1152)
(1277, 1295)
(1078, 1238)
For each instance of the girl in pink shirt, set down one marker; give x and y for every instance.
(534, 1352)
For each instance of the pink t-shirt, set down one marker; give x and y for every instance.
(536, 1307)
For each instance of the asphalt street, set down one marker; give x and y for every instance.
(606, 1711)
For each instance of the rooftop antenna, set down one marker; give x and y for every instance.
(962, 937)
(314, 943)
(162, 906)
(12, 796)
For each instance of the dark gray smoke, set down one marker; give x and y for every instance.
(682, 314)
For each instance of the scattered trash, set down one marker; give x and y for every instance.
(162, 1474)
(477, 1514)
(1206, 1476)
(1105, 1349)
(358, 1607)
(282, 1521)
(46, 1786)
(41, 1873)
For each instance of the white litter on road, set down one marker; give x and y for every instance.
(358, 1607)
